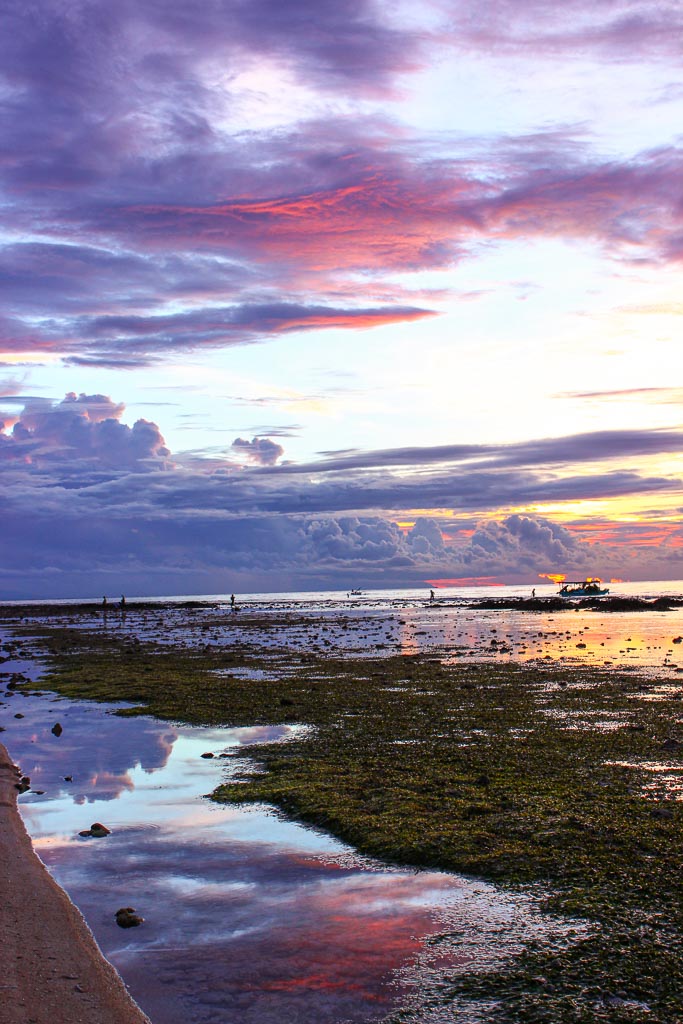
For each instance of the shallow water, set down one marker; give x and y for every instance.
(634, 641)
(248, 917)
(405, 622)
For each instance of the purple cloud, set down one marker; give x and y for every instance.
(373, 210)
(618, 30)
(115, 160)
(260, 450)
(78, 433)
(81, 486)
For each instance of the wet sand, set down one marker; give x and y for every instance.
(50, 966)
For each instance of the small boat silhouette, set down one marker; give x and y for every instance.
(583, 588)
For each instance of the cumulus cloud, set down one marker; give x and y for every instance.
(82, 430)
(425, 539)
(260, 450)
(170, 552)
(80, 486)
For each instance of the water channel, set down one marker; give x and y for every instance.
(248, 917)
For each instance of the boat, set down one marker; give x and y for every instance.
(355, 593)
(583, 588)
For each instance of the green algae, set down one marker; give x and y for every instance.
(494, 771)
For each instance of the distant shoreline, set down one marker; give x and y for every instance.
(615, 603)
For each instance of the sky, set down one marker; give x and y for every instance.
(338, 294)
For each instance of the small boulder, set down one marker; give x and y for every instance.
(56, 729)
(207, 754)
(99, 831)
(127, 918)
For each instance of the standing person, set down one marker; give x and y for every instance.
(533, 592)
(431, 595)
(104, 601)
(232, 601)
(122, 602)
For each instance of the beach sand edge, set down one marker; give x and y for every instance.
(51, 968)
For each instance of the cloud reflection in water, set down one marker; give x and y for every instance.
(248, 917)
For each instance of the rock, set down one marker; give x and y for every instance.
(56, 729)
(207, 754)
(670, 744)
(677, 640)
(68, 778)
(99, 831)
(662, 812)
(127, 918)
(18, 715)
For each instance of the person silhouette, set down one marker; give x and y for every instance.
(431, 595)
(122, 602)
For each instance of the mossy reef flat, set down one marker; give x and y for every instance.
(550, 777)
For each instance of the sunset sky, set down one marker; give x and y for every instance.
(328, 294)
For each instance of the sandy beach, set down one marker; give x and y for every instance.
(50, 966)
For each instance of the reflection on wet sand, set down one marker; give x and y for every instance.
(639, 640)
(248, 917)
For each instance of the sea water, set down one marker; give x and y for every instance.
(248, 918)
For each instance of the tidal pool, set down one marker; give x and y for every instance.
(248, 917)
